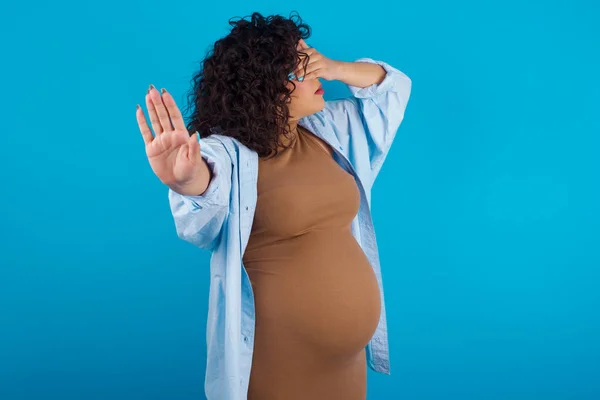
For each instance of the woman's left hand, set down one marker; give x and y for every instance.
(319, 66)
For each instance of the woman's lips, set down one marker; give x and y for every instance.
(320, 90)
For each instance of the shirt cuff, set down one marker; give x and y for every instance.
(375, 89)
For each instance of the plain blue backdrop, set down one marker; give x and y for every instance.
(487, 209)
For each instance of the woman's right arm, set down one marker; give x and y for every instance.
(199, 218)
(197, 171)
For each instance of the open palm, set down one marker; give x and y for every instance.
(173, 154)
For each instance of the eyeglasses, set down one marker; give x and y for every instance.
(292, 76)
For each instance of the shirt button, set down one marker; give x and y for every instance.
(246, 208)
(246, 339)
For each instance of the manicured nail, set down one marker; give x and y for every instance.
(151, 87)
(163, 90)
(137, 106)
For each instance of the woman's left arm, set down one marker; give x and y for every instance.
(375, 110)
(360, 74)
(370, 117)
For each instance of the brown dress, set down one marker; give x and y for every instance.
(316, 295)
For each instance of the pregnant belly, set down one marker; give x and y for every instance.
(318, 288)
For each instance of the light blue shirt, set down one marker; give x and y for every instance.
(360, 129)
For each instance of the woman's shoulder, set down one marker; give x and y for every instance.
(236, 150)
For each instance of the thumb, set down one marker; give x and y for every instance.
(194, 148)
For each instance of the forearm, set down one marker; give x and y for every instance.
(360, 74)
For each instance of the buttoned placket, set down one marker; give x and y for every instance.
(247, 210)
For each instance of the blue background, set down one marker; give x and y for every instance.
(487, 210)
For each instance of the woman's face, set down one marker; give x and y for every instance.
(303, 100)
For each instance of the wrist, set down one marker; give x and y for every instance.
(197, 186)
(341, 68)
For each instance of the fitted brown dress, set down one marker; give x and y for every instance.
(316, 295)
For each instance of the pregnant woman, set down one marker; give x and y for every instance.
(275, 182)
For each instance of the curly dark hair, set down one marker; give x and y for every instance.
(241, 91)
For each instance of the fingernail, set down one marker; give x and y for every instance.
(163, 90)
(137, 106)
(151, 87)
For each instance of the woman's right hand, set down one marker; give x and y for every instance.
(173, 154)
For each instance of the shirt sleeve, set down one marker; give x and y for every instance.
(374, 113)
(199, 219)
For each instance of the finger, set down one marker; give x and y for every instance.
(313, 75)
(307, 52)
(315, 70)
(312, 58)
(302, 44)
(303, 55)
(144, 128)
(158, 130)
(312, 66)
(300, 70)
(173, 110)
(161, 110)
